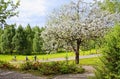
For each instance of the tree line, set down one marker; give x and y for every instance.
(19, 40)
(27, 40)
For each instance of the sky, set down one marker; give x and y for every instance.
(35, 12)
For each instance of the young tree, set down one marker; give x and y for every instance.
(29, 39)
(77, 22)
(19, 40)
(6, 39)
(7, 10)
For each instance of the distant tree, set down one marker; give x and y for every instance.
(29, 39)
(6, 39)
(111, 5)
(73, 24)
(19, 40)
(1, 32)
(7, 10)
(37, 41)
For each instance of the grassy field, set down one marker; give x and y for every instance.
(45, 56)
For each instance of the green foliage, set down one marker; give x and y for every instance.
(7, 10)
(110, 69)
(49, 68)
(111, 5)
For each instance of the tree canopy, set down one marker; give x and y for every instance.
(111, 5)
(7, 10)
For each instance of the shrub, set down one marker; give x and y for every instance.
(71, 68)
(50, 68)
(26, 66)
(35, 65)
(6, 65)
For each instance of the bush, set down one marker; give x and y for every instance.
(26, 66)
(50, 68)
(6, 65)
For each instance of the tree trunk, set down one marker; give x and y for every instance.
(77, 57)
(76, 50)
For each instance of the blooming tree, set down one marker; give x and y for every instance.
(76, 22)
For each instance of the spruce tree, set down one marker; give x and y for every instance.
(19, 40)
(6, 39)
(110, 68)
(37, 41)
(29, 39)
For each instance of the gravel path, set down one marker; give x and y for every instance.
(70, 58)
(18, 75)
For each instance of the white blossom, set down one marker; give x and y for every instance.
(73, 22)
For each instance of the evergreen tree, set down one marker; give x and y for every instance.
(110, 68)
(19, 40)
(37, 41)
(29, 38)
(6, 39)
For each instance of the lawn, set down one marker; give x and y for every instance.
(90, 61)
(45, 56)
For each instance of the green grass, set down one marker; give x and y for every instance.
(88, 61)
(45, 56)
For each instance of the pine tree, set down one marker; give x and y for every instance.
(19, 40)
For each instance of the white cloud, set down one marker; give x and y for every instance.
(32, 7)
(29, 10)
